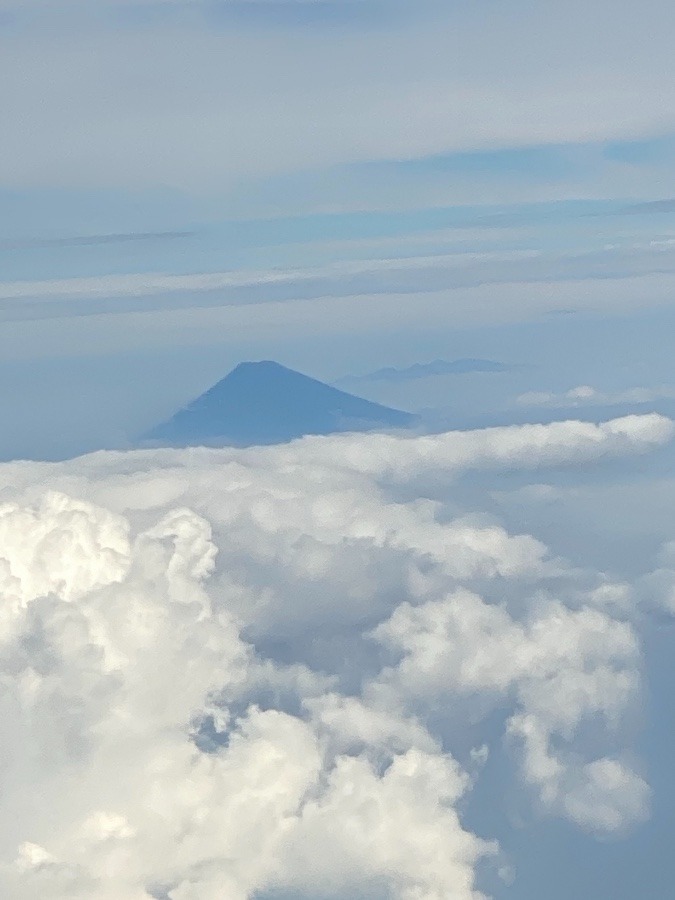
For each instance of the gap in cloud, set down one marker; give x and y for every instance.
(657, 149)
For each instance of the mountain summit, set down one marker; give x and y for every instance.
(266, 403)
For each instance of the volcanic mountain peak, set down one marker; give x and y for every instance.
(267, 403)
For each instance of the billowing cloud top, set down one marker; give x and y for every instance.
(222, 670)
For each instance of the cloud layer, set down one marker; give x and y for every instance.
(585, 395)
(210, 97)
(226, 673)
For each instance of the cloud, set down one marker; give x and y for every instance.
(405, 274)
(87, 240)
(479, 285)
(562, 665)
(528, 446)
(220, 666)
(652, 206)
(195, 108)
(585, 395)
(657, 588)
(127, 326)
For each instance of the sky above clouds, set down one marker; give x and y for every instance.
(378, 667)
(171, 173)
(203, 96)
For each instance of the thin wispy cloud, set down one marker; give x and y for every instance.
(412, 276)
(87, 240)
(210, 120)
(585, 395)
(652, 206)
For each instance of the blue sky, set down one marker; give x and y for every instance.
(346, 186)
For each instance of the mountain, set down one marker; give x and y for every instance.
(266, 403)
(426, 370)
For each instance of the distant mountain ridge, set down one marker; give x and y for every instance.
(426, 370)
(267, 403)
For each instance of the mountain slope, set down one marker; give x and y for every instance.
(266, 403)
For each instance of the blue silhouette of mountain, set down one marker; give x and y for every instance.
(426, 370)
(266, 403)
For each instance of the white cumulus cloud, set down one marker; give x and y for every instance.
(221, 670)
